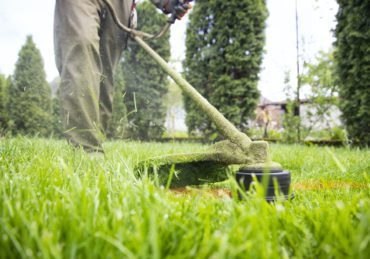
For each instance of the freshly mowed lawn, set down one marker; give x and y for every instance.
(56, 202)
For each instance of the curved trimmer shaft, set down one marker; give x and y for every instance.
(211, 165)
(226, 128)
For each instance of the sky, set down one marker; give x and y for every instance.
(19, 18)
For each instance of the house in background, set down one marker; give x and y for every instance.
(270, 115)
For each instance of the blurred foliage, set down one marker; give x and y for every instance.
(291, 118)
(353, 67)
(173, 97)
(176, 134)
(259, 133)
(145, 82)
(336, 133)
(224, 47)
(323, 94)
(291, 121)
(29, 94)
(118, 123)
(319, 76)
(4, 100)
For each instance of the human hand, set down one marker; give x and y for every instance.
(178, 8)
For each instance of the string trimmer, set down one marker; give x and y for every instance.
(212, 165)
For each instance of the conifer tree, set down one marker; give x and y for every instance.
(4, 98)
(30, 94)
(353, 67)
(145, 82)
(224, 46)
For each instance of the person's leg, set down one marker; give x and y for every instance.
(112, 41)
(76, 39)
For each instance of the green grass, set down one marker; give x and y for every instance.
(56, 202)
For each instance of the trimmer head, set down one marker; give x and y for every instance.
(207, 167)
(185, 173)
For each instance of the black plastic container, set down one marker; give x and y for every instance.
(245, 178)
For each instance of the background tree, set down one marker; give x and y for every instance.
(118, 123)
(353, 63)
(291, 118)
(224, 47)
(146, 84)
(30, 94)
(4, 99)
(319, 76)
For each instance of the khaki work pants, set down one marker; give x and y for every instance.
(88, 46)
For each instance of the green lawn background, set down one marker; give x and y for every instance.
(57, 202)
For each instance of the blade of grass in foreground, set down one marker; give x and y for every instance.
(56, 202)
